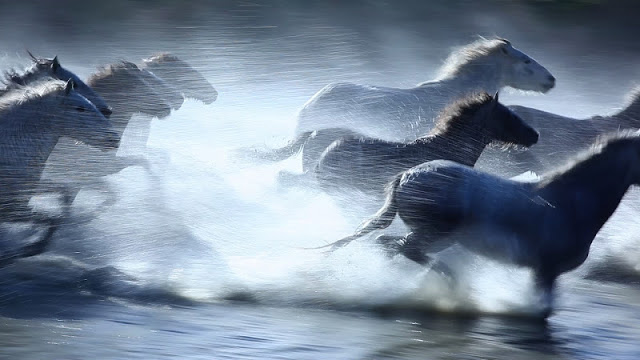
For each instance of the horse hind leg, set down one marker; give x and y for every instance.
(412, 247)
(391, 244)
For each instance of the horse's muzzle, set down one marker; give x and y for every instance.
(111, 142)
(550, 84)
(533, 139)
(106, 112)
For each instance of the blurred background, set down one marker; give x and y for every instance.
(585, 43)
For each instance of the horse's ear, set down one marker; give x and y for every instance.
(495, 97)
(55, 64)
(35, 59)
(70, 86)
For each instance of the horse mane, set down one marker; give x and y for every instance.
(12, 78)
(32, 92)
(468, 54)
(161, 58)
(602, 147)
(112, 70)
(459, 112)
(631, 107)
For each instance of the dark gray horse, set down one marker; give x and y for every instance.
(547, 225)
(406, 114)
(164, 89)
(461, 133)
(561, 138)
(183, 76)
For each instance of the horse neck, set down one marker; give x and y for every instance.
(28, 134)
(33, 74)
(591, 190)
(629, 117)
(122, 109)
(462, 143)
(119, 119)
(137, 135)
(473, 77)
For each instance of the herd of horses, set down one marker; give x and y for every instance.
(439, 155)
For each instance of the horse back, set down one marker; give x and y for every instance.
(319, 141)
(382, 112)
(560, 139)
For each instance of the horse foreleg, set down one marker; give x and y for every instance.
(412, 248)
(20, 211)
(68, 195)
(391, 244)
(545, 284)
(290, 179)
(35, 248)
(133, 160)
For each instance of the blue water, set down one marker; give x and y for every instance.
(200, 257)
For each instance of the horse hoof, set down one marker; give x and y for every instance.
(392, 245)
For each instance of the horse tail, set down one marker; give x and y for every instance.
(279, 154)
(381, 220)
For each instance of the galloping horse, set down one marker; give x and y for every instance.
(43, 69)
(461, 133)
(181, 75)
(124, 87)
(560, 138)
(406, 114)
(32, 120)
(547, 225)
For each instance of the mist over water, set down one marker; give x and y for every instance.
(204, 225)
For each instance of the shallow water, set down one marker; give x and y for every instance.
(201, 258)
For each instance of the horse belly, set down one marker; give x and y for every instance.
(371, 112)
(502, 246)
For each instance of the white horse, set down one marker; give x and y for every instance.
(43, 69)
(406, 114)
(32, 120)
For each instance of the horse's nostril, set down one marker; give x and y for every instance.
(551, 78)
(106, 112)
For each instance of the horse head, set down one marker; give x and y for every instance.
(78, 118)
(125, 88)
(53, 68)
(182, 75)
(506, 126)
(520, 71)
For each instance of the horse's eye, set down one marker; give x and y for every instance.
(80, 108)
(528, 61)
